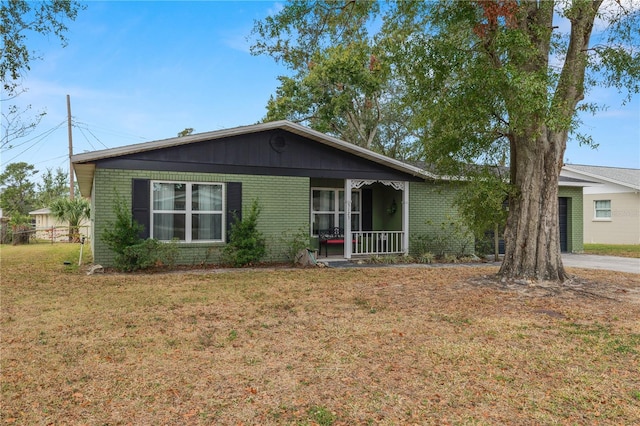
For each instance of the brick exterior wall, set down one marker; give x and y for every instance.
(575, 224)
(285, 210)
(431, 206)
(284, 202)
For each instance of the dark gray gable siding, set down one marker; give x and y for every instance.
(273, 152)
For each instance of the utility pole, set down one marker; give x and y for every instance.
(71, 184)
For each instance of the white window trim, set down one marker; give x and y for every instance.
(337, 212)
(595, 212)
(188, 211)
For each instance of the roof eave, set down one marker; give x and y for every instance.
(84, 176)
(604, 178)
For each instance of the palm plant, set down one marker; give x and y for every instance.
(72, 211)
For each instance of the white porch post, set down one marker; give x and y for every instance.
(405, 218)
(347, 219)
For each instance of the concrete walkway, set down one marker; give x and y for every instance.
(592, 261)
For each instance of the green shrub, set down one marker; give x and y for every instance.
(138, 256)
(147, 254)
(21, 229)
(450, 258)
(132, 252)
(419, 245)
(449, 237)
(425, 257)
(246, 244)
(484, 245)
(295, 242)
(125, 232)
(5, 234)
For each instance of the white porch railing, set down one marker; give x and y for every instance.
(377, 242)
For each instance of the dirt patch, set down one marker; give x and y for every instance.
(583, 284)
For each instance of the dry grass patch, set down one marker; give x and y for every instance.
(316, 346)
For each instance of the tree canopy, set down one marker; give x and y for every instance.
(54, 185)
(485, 82)
(341, 82)
(72, 211)
(20, 21)
(18, 195)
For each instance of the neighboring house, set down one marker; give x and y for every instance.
(611, 203)
(190, 188)
(49, 228)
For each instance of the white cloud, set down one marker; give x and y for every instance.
(275, 9)
(238, 42)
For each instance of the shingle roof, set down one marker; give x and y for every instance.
(84, 163)
(41, 211)
(621, 176)
(504, 172)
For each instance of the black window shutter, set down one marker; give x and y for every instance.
(141, 204)
(367, 209)
(234, 204)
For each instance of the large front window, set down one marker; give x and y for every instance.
(188, 212)
(327, 209)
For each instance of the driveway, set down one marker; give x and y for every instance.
(592, 261)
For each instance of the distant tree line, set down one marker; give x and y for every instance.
(20, 193)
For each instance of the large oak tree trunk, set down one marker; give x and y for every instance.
(532, 239)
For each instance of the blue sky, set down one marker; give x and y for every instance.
(141, 71)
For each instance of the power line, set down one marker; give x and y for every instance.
(110, 131)
(64, 160)
(85, 137)
(47, 132)
(91, 133)
(77, 124)
(81, 128)
(64, 157)
(44, 136)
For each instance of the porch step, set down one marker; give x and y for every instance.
(334, 262)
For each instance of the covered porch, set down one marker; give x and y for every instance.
(360, 217)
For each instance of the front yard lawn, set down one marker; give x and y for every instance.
(388, 345)
(621, 250)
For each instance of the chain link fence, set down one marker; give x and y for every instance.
(27, 234)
